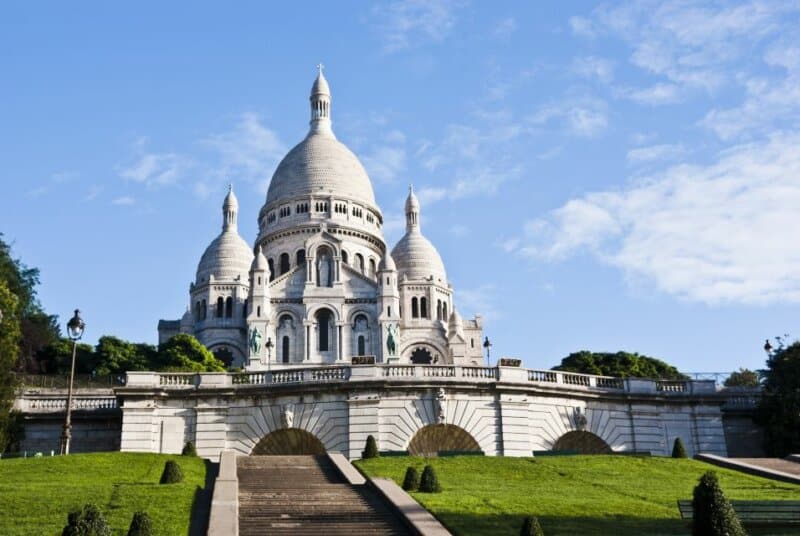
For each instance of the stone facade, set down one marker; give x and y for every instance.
(320, 285)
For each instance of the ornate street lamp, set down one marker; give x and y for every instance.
(487, 345)
(75, 328)
(268, 345)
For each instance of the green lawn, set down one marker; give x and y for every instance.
(37, 493)
(572, 495)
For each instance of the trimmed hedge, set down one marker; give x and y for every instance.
(371, 449)
(88, 521)
(531, 527)
(189, 449)
(713, 514)
(411, 480)
(172, 473)
(141, 525)
(678, 450)
(429, 483)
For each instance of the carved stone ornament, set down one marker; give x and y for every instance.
(287, 415)
(580, 419)
(440, 404)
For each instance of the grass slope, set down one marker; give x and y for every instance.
(616, 495)
(37, 493)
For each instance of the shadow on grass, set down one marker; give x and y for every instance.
(201, 505)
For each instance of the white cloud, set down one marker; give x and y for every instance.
(403, 23)
(385, 160)
(721, 233)
(661, 93)
(124, 201)
(459, 230)
(593, 67)
(585, 117)
(155, 169)
(583, 27)
(663, 151)
(478, 301)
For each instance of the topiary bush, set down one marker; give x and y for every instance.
(189, 449)
(531, 527)
(172, 473)
(88, 521)
(411, 480)
(429, 483)
(141, 525)
(371, 449)
(713, 514)
(678, 450)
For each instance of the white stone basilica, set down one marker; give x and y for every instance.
(322, 287)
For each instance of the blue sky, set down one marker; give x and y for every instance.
(605, 177)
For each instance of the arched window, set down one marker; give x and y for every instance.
(229, 307)
(204, 310)
(372, 267)
(344, 256)
(220, 307)
(362, 347)
(323, 330)
(285, 349)
(285, 266)
(271, 269)
(360, 262)
(438, 309)
(197, 312)
(244, 309)
(444, 311)
(301, 257)
(423, 307)
(414, 308)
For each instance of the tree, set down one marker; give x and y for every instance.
(620, 364)
(37, 328)
(713, 514)
(779, 408)
(743, 378)
(56, 357)
(115, 356)
(10, 336)
(184, 353)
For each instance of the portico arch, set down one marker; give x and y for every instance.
(582, 442)
(288, 442)
(432, 439)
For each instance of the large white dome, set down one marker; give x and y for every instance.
(320, 164)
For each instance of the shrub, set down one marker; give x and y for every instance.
(531, 527)
(713, 514)
(141, 525)
(88, 521)
(189, 449)
(678, 450)
(429, 483)
(411, 480)
(371, 449)
(172, 473)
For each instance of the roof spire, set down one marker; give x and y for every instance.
(320, 104)
(230, 208)
(412, 210)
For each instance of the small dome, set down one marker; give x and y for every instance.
(230, 201)
(456, 324)
(259, 262)
(416, 258)
(226, 257)
(412, 203)
(320, 85)
(320, 164)
(387, 262)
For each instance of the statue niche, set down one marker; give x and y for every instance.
(324, 267)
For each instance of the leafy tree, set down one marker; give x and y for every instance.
(56, 357)
(184, 353)
(620, 364)
(678, 450)
(37, 328)
(779, 407)
(115, 356)
(9, 347)
(743, 378)
(713, 514)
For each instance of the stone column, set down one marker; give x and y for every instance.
(515, 425)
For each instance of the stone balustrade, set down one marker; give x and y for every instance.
(57, 403)
(410, 373)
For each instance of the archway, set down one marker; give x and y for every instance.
(421, 356)
(288, 442)
(582, 443)
(435, 438)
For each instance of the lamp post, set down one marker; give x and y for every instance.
(767, 347)
(75, 328)
(487, 345)
(269, 352)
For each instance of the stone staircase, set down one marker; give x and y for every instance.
(307, 495)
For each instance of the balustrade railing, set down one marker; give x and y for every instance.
(672, 386)
(176, 379)
(59, 404)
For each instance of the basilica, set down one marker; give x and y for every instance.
(320, 286)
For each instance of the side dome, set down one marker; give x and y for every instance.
(320, 164)
(228, 255)
(416, 258)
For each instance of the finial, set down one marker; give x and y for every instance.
(410, 188)
(320, 66)
(230, 187)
